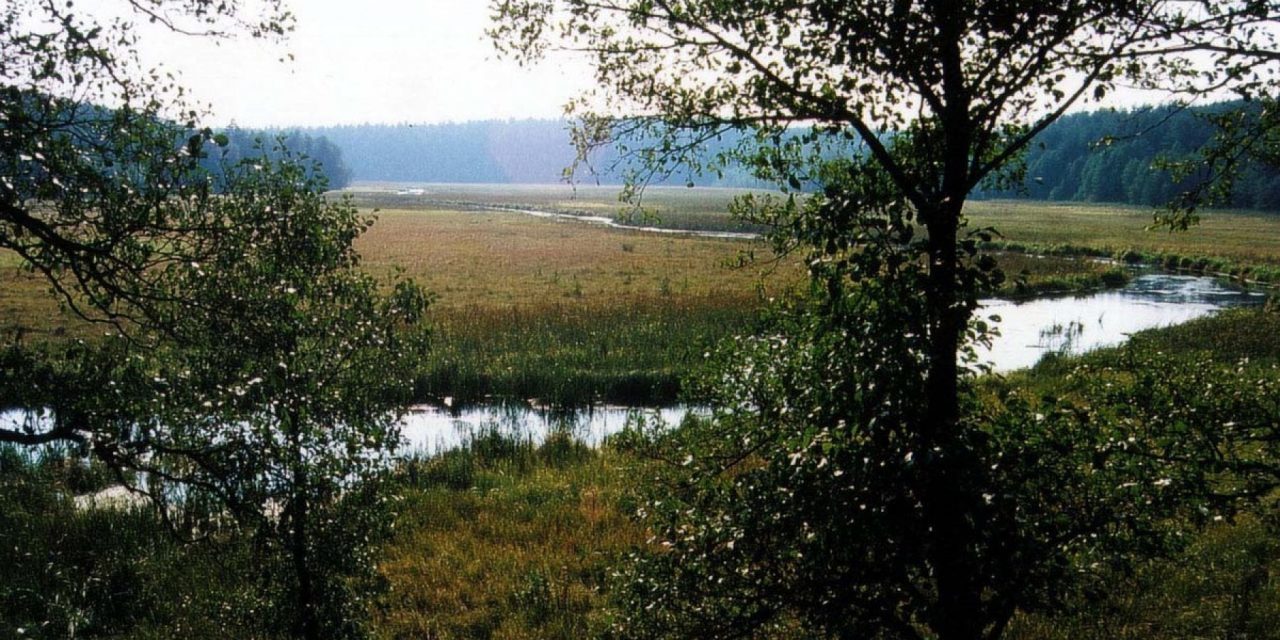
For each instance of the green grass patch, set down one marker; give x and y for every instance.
(506, 539)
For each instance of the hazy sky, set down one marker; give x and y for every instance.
(378, 61)
(418, 61)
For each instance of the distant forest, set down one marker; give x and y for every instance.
(1108, 156)
(1102, 156)
(526, 151)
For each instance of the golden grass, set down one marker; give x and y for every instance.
(1241, 236)
(28, 305)
(521, 554)
(506, 259)
(494, 260)
(1248, 237)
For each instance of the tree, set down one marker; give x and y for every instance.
(287, 406)
(271, 405)
(252, 377)
(98, 154)
(943, 97)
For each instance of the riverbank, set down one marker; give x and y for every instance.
(509, 538)
(548, 582)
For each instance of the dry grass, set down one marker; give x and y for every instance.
(503, 259)
(519, 550)
(28, 306)
(564, 311)
(1241, 236)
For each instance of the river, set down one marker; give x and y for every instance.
(1027, 330)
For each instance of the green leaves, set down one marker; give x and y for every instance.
(853, 487)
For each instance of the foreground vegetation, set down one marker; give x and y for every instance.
(506, 538)
(1222, 580)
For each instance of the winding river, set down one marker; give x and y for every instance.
(1027, 330)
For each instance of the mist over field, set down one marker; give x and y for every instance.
(1102, 156)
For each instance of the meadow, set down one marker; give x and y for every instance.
(571, 313)
(1103, 229)
(505, 538)
(568, 313)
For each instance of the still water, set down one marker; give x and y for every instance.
(1027, 331)
(1075, 324)
(429, 429)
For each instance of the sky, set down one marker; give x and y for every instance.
(379, 61)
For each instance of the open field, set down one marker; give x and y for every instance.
(566, 312)
(676, 207)
(527, 307)
(502, 259)
(572, 313)
(1237, 235)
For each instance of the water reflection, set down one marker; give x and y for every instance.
(429, 429)
(1075, 324)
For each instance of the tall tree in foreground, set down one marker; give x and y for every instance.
(100, 186)
(941, 96)
(249, 368)
(281, 402)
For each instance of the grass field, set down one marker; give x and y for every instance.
(1237, 235)
(502, 259)
(573, 313)
(526, 307)
(504, 539)
(1242, 236)
(565, 312)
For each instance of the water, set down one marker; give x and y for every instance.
(1030, 329)
(429, 429)
(610, 222)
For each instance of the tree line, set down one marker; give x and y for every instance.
(534, 151)
(1145, 156)
(1136, 156)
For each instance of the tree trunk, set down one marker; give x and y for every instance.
(958, 614)
(952, 540)
(306, 624)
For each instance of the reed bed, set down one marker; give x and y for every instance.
(506, 539)
(566, 355)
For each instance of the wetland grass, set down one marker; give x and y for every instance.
(567, 313)
(506, 539)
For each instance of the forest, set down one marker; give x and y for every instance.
(1129, 157)
(1106, 156)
